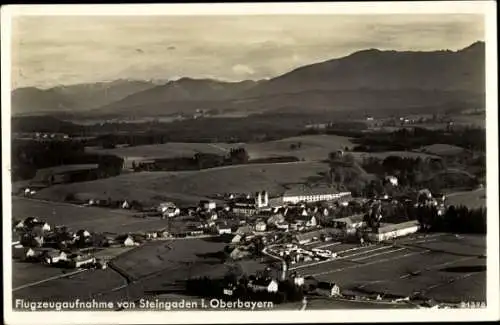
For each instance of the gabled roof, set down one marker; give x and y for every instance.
(351, 219)
(304, 190)
(263, 281)
(397, 226)
(326, 285)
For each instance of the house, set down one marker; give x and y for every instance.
(315, 235)
(390, 231)
(53, 257)
(168, 208)
(282, 226)
(207, 205)
(350, 224)
(228, 289)
(82, 233)
(393, 180)
(212, 215)
(237, 238)
(41, 226)
(244, 230)
(30, 221)
(77, 260)
(263, 284)
(308, 221)
(32, 240)
(125, 205)
(260, 226)
(164, 234)
(16, 238)
(196, 232)
(19, 224)
(328, 289)
(313, 195)
(24, 253)
(223, 229)
(298, 280)
(129, 241)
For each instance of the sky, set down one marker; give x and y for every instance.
(61, 50)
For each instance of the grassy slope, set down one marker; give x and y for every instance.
(191, 186)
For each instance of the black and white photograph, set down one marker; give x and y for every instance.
(252, 159)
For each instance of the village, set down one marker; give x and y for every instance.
(295, 230)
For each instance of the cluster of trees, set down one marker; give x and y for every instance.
(214, 288)
(410, 171)
(473, 139)
(456, 219)
(29, 156)
(460, 219)
(198, 161)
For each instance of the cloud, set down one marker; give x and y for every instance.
(59, 50)
(243, 70)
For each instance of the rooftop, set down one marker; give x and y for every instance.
(388, 227)
(305, 190)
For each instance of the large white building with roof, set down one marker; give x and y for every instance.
(306, 194)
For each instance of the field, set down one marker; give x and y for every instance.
(442, 149)
(408, 266)
(79, 217)
(177, 257)
(166, 150)
(155, 269)
(83, 285)
(382, 155)
(471, 199)
(191, 186)
(312, 148)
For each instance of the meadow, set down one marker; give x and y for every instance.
(190, 187)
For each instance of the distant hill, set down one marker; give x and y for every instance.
(368, 80)
(79, 97)
(373, 69)
(365, 80)
(374, 79)
(183, 95)
(44, 124)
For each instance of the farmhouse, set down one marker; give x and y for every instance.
(393, 180)
(82, 233)
(23, 253)
(260, 226)
(308, 221)
(53, 257)
(389, 231)
(349, 224)
(81, 260)
(262, 284)
(168, 209)
(207, 205)
(16, 238)
(244, 230)
(128, 241)
(313, 195)
(328, 289)
(223, 229)
(41, 226)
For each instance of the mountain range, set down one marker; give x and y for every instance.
(366, 80)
